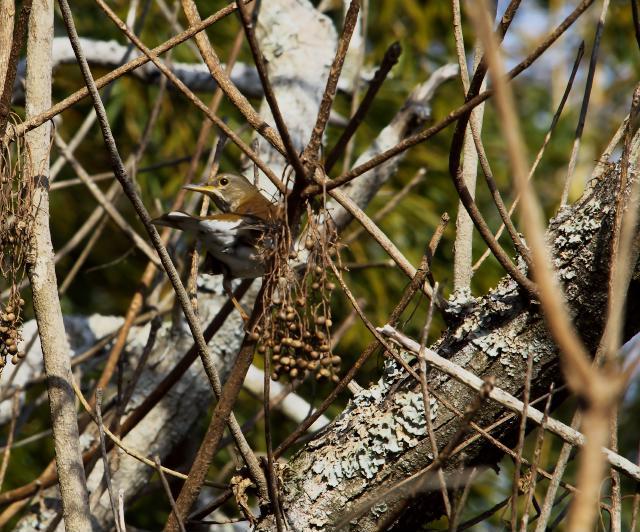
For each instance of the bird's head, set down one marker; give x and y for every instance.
(235, 193)
(228, 191)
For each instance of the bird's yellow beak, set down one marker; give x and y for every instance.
(203, 189)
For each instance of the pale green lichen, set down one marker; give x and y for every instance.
(361, 444)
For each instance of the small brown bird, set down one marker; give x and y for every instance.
(237, 239)
(235, 193)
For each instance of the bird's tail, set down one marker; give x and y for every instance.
(176, 219)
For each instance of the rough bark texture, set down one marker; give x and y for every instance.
(7, 13)
(298, 64)
(381, 439)
(42, 275)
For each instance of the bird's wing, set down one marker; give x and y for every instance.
(177, 220)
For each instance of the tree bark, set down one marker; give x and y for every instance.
(55, 347)
(380, 438)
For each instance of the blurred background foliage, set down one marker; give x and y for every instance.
(424, 30)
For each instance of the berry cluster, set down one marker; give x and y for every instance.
(296, 326)
(16, 222)
(10, 333)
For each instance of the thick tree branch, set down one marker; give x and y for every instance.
(381, 437)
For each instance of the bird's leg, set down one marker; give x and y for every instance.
(226, 284)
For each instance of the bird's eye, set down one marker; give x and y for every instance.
(224, 181)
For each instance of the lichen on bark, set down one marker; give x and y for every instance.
(374, 443)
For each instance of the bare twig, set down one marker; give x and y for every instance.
(382, 239)
(133, 381)
(623, 256)
(585, 102)
(463, 257)
(118, 441)
(248, 111)
(520, 445)
(221, 412)
(223, 81)
(271, 473)
(455, 115)
(84, 254)
(167, 490)
(390, 58)
(462, 501)
(6, 453)
(105, 460)
(109, 208)
(427, 405)
(558, 473)
(600, 391)
(390, 205)
(311, 151)
(541, 151)
(531, 491)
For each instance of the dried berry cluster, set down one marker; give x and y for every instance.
(16, 221)
(296, 326)
(10, 333)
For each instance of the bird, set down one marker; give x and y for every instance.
(235, 193)
(237, 239)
